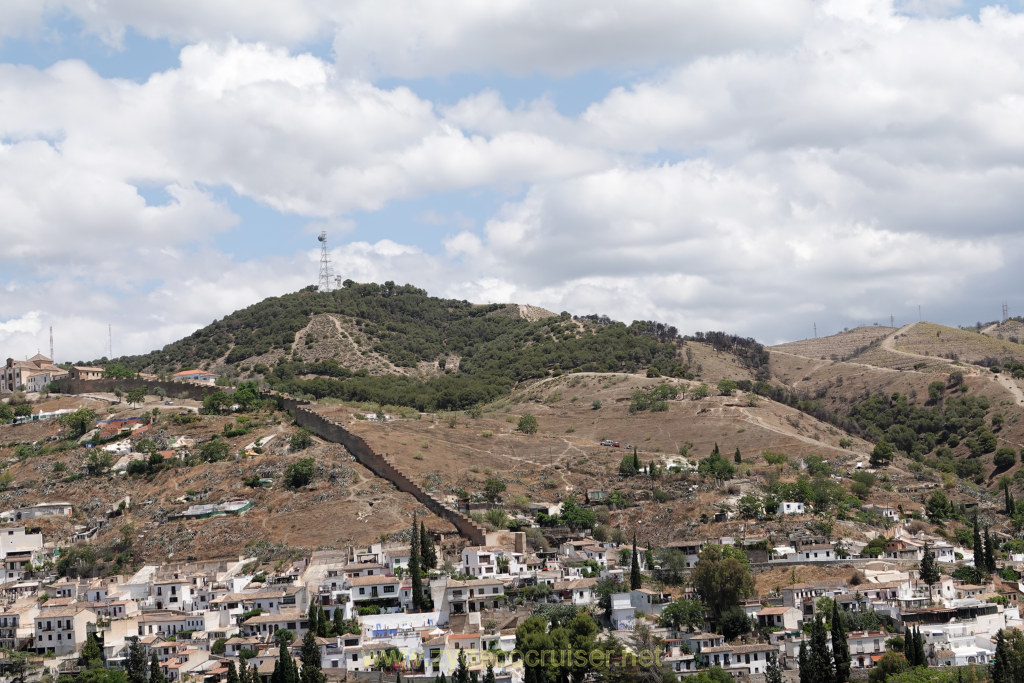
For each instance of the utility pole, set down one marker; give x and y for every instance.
(892, 321)
(1006, 312)
(110, 341)
(815, 330)
(51, 338)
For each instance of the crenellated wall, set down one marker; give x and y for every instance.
(380, 465)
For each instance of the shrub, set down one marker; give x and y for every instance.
(299, 474)
(528, 424)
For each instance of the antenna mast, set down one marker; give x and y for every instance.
(325, 264)
(1006, 312)
(51, 342)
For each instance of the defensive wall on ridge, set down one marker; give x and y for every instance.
(326, 429)
(380, 465)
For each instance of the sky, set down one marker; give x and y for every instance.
(763, 168)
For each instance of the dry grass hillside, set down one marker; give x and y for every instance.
(837, 346)
(1012, 330)
(968, 346)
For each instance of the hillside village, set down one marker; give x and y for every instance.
(216, 530)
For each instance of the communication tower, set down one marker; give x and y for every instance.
(325, 264)
(1006, 312)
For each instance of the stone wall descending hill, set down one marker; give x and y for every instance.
(379, 464)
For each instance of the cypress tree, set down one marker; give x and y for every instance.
(635, 580)
(1009, 500)
(489, 676)
(922, 659)
(428, 553)
(979, 547)
(254, 675)
(156, 674)
(910, 647)
(636, 460)
(840, 647)
(929, 570)
(820, 658)
(243, 673)
(715, 451)
(339, 621)
(772, 671)
(414, 567)
(323, 624)
(804, 663)
(1003, 667)
(312, 616)
(311, 671)
(135, 665)
(990, 553)
(462, 671)
(737, 456)
(232, 672)
(474, 677)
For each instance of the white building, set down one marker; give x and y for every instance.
(790, 508)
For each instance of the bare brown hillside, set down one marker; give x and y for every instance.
(837, 346)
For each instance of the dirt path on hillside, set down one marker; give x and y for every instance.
(1011, 385)
(845, 362)
(763, 424)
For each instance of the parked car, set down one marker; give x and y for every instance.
(608, 442)
(616, 444)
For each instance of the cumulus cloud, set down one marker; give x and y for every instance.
(783, 160)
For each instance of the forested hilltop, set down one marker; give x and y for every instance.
(459, 354)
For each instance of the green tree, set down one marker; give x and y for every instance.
(118, 371)
(300, 473)
(882, 454)
(493, 488)
(726, 387)
(216, 402)
(135, 664)
(232, 676)
(1009, 659)
(772, 671)
(489, 676)
(938, 507)
(78, 422)
(98, 461)
(415, 573)
(682, 613)
(219, 647)
(285, 670)
(990, 553)
(312, 614)
(301, 440)
(840, 647)
(311, 671)
(134, 396)
(528, 424)
(1011, 507)
(635, 579)
(461, 671)
(891, 664)
(428, 553)
(930, 573)
(91, 655)
(804, 664)
(7, 414)
(721, 579)
(821, 661)
(214, 450)
(576, 517)
(700, 391)
(979, 547)
(156, 673)
(1005, 458)
(734, 623)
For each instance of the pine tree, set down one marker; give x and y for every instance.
(979, 548)
(156, 674)
(311, 671)
(635, 579)
(232, 672)
(990, 553)
(737, 456)
(414, 567)
(135, 665)
(772, 672)
(820, 657)
(323, 624)
(840, 647)
(804, 663)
